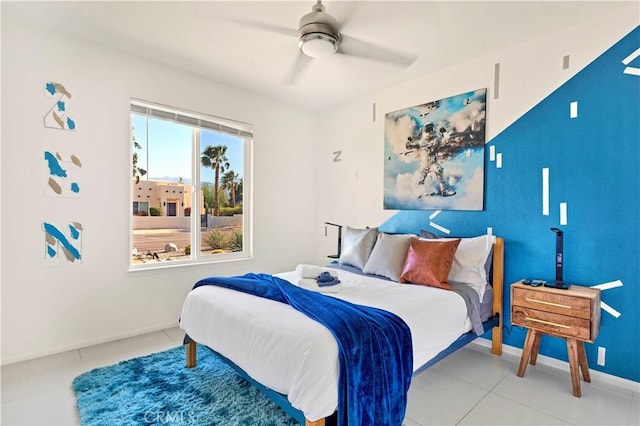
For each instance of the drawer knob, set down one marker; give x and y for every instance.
(559, 305)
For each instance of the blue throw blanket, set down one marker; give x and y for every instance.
(374, 347)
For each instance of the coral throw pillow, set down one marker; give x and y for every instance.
(429, 263)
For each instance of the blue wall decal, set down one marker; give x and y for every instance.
(62, 241)
(63, 174)
(593, 161)
(58, 116)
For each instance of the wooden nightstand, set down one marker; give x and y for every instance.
(572, 314)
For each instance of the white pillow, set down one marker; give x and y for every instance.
(388, 255)
(469, 261)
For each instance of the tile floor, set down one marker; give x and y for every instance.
(470, 387)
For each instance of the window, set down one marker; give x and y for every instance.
(190, 187)
(140, 208)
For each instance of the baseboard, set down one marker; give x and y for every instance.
(596, 376)
(86, 343)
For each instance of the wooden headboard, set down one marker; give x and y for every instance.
(498, 293)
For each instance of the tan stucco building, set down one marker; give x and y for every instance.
(173, 198)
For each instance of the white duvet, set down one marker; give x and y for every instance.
(288, 352)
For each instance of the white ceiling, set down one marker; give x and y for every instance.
(226, 41)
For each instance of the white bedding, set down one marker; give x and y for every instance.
(288, 352)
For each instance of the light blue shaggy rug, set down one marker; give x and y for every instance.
(159, 390)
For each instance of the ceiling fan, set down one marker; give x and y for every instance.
(319, 35)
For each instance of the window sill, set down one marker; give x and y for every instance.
(154, 266)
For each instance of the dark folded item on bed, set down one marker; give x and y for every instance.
(325, 279)
(374, 347)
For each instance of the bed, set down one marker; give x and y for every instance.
(294, 360)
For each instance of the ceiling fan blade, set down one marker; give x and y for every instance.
(300, 63)
(346, 13)
(355, 47)
(277, 29)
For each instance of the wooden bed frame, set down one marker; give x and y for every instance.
(494, 324)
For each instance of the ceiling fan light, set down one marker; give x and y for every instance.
(318, 45)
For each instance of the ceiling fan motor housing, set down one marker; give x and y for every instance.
(318, 29)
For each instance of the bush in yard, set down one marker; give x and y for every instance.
(215, 239)
(155, 211)
(230, 211)
(235, 240)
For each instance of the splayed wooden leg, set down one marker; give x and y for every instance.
(191, 354)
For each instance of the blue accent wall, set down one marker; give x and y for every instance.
(594, 163)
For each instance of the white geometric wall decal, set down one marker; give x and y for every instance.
(608, 286)
(627, 61)
(545, 191)
(563, 213)
(439, 228)
(435, 225)
(573, 109)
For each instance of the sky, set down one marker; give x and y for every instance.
(169, 152)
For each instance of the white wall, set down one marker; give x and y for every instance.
(352, 190)
(50, 309)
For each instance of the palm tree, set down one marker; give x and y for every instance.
(137, 171)
(230, 182)
(216, 158)
(207, 194)
(239, 190)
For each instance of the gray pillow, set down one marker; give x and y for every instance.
(357, 245)
(428, 234)
(388, 255)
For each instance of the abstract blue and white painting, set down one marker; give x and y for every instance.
(63, 174)
(434, 154)
(62, 241)
(58, 116)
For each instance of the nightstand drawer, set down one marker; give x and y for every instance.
(549, 322)
(551, 302)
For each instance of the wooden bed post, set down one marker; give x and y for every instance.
(191, 354)
(316, 423)
(498, 291)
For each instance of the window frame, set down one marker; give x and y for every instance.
(198, 122)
